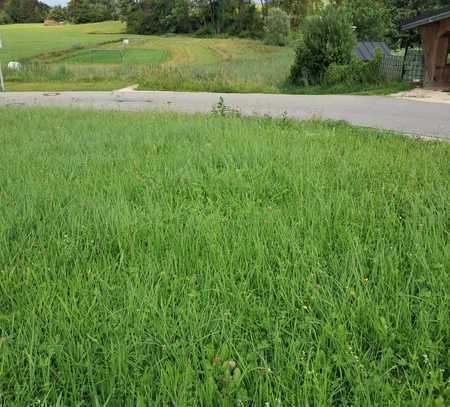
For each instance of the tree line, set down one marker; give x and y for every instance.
(372, 19)
(22, 11)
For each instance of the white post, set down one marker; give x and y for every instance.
(2, 83)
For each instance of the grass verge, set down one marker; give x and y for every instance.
(199, 260)
(384, 88)
(67, 86)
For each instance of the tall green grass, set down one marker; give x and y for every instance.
(162, 259)
(236, 76)
(45, 72)
(258, 74)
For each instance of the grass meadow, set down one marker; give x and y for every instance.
(61, 58)
(22, 42)
(163, 259)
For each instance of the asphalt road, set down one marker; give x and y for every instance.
(406, 116)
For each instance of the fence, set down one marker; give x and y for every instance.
(414, 66)
(409, 68)
(392, 67)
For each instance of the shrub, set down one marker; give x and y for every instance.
(325, 39)
(205, 31)
(277, 27)
(4, 17)
(356, 72)
(58, 13)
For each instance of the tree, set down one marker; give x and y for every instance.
(58, 13)
(179, 19)
(78, 11)
(297, 9)
(277, 27)
(24, 11)
(240, 17)
(90, 11)
(4, 17)
(150, 16)
(371, 19)
(325, 38)
(401, 10)
(227, 16)
(206, 16)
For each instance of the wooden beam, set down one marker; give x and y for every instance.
(430, 48)
(444, 27)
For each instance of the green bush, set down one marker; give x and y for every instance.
(324, 39)
(58, 13)
(4, 17)
(205, 31)
(356, 72)
(277, 27)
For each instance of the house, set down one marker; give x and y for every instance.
(366, 50)
(435, 32)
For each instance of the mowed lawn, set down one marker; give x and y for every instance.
(27, 41)
(162, 259)
(113, 56)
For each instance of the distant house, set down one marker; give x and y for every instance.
(365, 50)
(435, 31)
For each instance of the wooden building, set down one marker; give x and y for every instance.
(435, 31)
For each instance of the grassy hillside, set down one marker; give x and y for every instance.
(61, 58)
(23, 41)
(217, 64)
(199, 260)
(173, 62)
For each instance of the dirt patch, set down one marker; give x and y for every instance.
(50, 23)
(425, 95)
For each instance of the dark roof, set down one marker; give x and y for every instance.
(426, 18)
(365, 50)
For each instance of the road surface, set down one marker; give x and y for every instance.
(406, 116)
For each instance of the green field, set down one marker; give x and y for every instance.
(26, 41)
(171, 62)
(61, 58)
(101, 56)
(162, 259)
